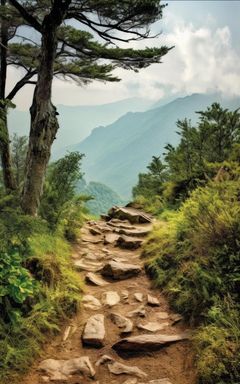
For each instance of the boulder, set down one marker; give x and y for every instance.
(153, 301)
(95, 279)
(122, 322)
(110, 238)
(94, 331)
(60, 370)
(147, 343)
(127, 242)
(138, 296)
(118, 369)
(120, 271)
(95, 231)
(162, 315)
(89, 266)
(134, 216)
(138, 232)
(152, 326)
(110, 298)
(138, 312)
(91, 302)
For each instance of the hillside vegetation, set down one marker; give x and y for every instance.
(116, 153)
(193, 254)
(38, 286)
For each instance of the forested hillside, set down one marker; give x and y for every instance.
(193, 253)
(115, 154)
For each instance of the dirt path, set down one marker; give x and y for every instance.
(172, 362)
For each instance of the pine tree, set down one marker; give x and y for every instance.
(111, 20)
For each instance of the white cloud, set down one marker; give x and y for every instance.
(203, 60)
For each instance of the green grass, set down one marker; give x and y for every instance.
(57, 298)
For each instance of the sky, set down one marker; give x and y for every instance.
(206, 56)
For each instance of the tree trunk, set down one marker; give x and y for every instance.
(44, 124)
(8, 178)
(5, 153)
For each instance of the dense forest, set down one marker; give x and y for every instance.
(193, 252)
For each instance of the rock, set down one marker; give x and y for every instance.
(140, 311)
(124, 294)
(162, 315)
(120, 271)
(138, 296)
(122, 322)
(110, 238)
(104, 359)
(45, 379)
(92, 257)
(110, 298)
(127, 242)
(60, 370)
(175, 318)
(138, 232)
(91, 302)
(105, 217)
(95, 279)
(119, 368)
(131, 381)
(134, 216)
(94, 331)
(153, 301)
(146, 342)
(95, 231)
(89, 266)
(87, 239)
(153, 326)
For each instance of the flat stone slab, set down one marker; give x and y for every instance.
(110, 238)
(91, 302)
(127, 242)
(120, 271)
(95, 279)
(153, 301)
(110, 298)
(89, 266)
(153, 326)
(146, 342)
(162, 315)
(60, 370)
(94, 331)
(122, 322)
(138, 232)
(119, 369)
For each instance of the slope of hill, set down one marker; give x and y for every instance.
(103, 197)
(116, 153)
(76, 122)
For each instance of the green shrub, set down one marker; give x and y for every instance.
(195, 257)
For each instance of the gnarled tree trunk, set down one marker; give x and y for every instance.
(44, 124)
(5, 153)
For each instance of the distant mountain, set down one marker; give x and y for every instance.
(76, 122)
(103, 197)
(116, 153)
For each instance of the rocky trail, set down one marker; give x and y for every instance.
(125, 332)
